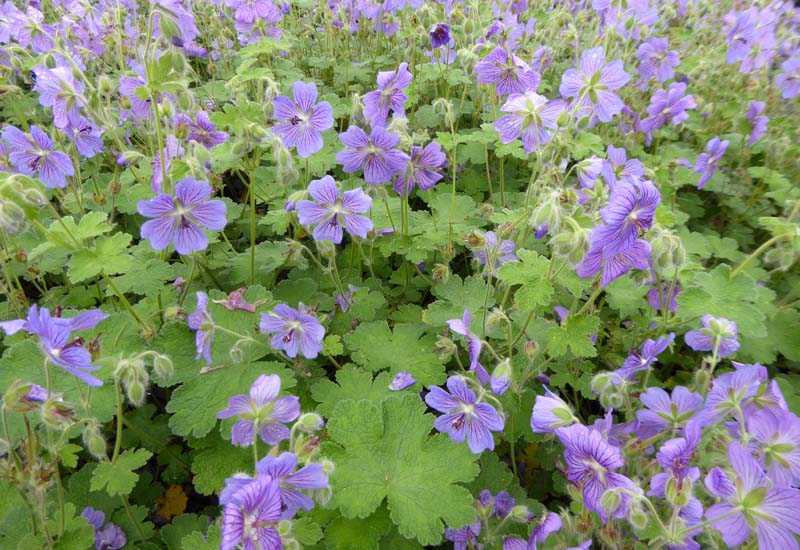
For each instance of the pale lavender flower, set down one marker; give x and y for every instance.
(293, 331)
(333, 214)
(494, 253)
(402, 380)
(655, 60)
(631, 210)
(464, 416)
(532, 116)
(59, 90)
(639, 361)
(707, 163)
(758, 120)
(84, 134)
(249, 11)
(302, 120)
(179, 219)
(202, 323)
(110, 537)
(731, 393)
(717, 335)
(665, 412)
(474, 344)
(283, 468)
(788, 82)
(35, 154)
(162, 161)
(390, 95)
(668, 106)
(618, 167)
(422, 169)
(507, 72)
(205, 132)
(550, 412)
(593, 83)
(777, 439)
(261, 412)
(752, 503)
(615, 265)
(375, 153)
(659, 294)
(465, 538)
(548, 524)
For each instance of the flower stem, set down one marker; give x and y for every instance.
(756, 253)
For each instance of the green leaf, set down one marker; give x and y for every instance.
(78, 533)
(351, 383)
(407, 348)
(454, 296)
(573, 335)
(181, 527)
(306, 531)
(385, 452)
(119, 478)
(198, 541)
(716, 293)
(108, 255)
(529, 272)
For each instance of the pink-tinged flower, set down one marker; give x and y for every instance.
(261, 412)
(422, 169)
(656, 61)
(252, 518)
(58, 90)
(788, 82)
(751, 503)
(717, 335)
(591, 463)
(375, 153)
(302, 120)
(179, 219)
(532, 116)
(294, 330)
(593, 84)
(465, 417)
(35, 154)
(334, 214)
(235, 300)
(507, 72)
(388, 96)
(668, 106)
(758, 120)
(202, 323)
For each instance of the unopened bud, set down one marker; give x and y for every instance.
(610, 501)
(93, 440)
(445, 346)
(441, 273)
(163, 366)
(327, 466)
(104, 84)
(521, 514)
(326, 249)
(310, 422)
(501, 377)
(531, 348)
(136, 393)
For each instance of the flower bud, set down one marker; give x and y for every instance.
(327, 466)
(310, 422)
(501, 377)
(136, 393)
(284, 529)
(563, 119)
(93, 440)
(12, 217)
(610, 501)
(521, 514)
(600, 382)
(496, 319)
(163, 366)
(104, 84)
(446, 347)
(637, 516)
(326, 249)
(323, 496)
(56, 413)
(441, 273)
(678, 493)
(531, 348)
(166, 109)
(33, 196)
(236, 353)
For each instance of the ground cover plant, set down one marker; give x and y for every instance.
(404, 274)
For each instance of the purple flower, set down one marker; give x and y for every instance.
(252, 517)
(54, 339)
(464, 416)
(388, 96)
(495, 252)
(301, 120)
(163, 160)
(502, 504)
(547, 525)
(706, 164)
(283, 468)
(84, 134)
(376, 154)
(593, 84)
(659, 294)
(531, 115)
(465, 538)
(261, 412)
(293, 330)
(141, 109)
(507, 72)
(440, 35)
(648, 355)
(36, 154)
(249, 11)
(402, 380)
(179, 219)
(656, 61)
(758, 120)
(668, 106)
(591, 462)
(421, 169)
(202, 323)
(788, 82)
(333, 214)
(777, 438)
(631, 209)
(550, 412)
(668, 413)
(752, 503)
(731, 393)
(205, 132)
(58, 90)
(613, 265)
(235, 301)
(619, 168)
(110, 537)
(461, 326)
(718, 335)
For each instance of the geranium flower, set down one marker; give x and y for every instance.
(302, 120)
(36, 154)
(333, 214)
(531, 115)
(593, 84)
(375, 153)
(293, 330)
(388, 96)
